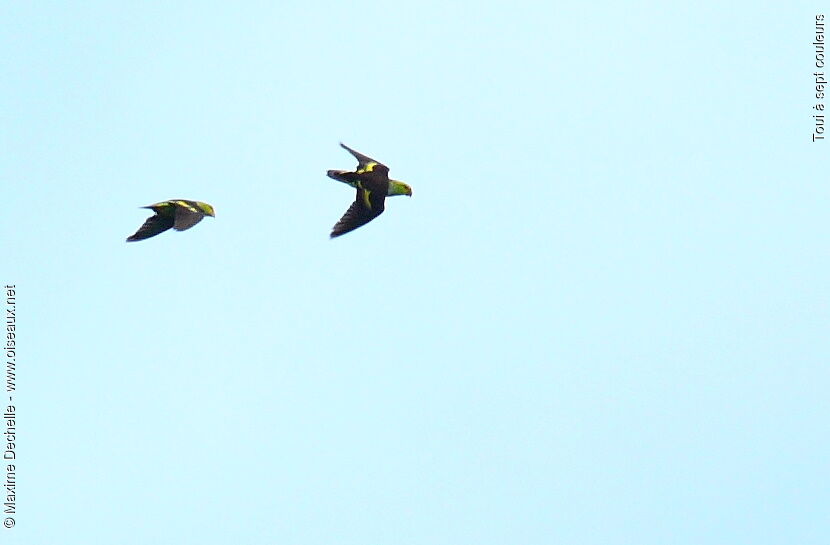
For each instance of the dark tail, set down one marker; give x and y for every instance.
(343, 176)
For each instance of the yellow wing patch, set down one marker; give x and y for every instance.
(186, 205)
(368, 167)
(366, 199)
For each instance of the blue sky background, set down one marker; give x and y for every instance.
(601, 319)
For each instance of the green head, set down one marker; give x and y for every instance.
(398, 188)
(206, 208)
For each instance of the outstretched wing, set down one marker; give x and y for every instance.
(154, 225)
(367, 206)
(366, 164)
(187, 216)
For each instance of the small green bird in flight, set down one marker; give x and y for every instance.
(371, 179)
(178, 214)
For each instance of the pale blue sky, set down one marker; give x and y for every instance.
(601, 319)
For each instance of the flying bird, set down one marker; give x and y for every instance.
(178, 214)
(371, 179)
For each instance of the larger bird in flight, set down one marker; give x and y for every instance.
(371, 179)
(178, 214)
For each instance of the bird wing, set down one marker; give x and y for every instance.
(366, 164)
(367, 206)
(187, 216)
(154, 225)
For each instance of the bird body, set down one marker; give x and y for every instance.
(180, 214)
(373, 185)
